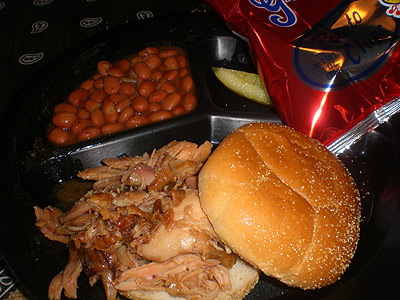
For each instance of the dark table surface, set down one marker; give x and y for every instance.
(35, 31)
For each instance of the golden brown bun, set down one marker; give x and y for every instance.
(243, 278)
(284, 203)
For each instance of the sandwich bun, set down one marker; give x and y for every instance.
(243, 278)
(282, 202)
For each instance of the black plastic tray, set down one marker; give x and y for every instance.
(33, 167)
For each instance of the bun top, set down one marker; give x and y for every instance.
(284, 203)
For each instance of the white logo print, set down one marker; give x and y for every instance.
(144, 14)
(42, 2)
(39, 26)
(90, 22)
(30, 58)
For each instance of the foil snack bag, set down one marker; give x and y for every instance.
(331, 67)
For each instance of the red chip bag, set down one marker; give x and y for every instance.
(331, 67)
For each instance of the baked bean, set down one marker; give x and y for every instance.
(131, 74)
(79, 125)
(189, 101)
(178, 111)
(160, 115)
(120, 106)
(89, 133)
(98, 95)
(91, 105)
(140, 104)
(115, 72)
(182, 61)
(111, 128)
(125, 114)
(64, 107)
(142, 70)
(168, 87)
(77, 97)
(97, 76)
(127, 88)
(124, 65)
(97, 117)
(171, 101)
(98, 83)
(136, 121)
(153, 61)
(109, 111)
(171, 75)
(156, 75)
(87, 84)
(183, 72)
(111, 85)
(58, 136)
(83, 114)
(186, 83)
(167, 53)
(154, 107)
(151, 50)
(117, 98)
(103, 66)
(64, 119)
(170, 63)
(157, 96)
(146, 88)
(136, 59)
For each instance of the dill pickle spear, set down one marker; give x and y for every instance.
(247, 85)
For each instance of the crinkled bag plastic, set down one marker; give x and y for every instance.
(331, 67)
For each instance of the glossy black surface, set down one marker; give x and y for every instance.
(33, 167)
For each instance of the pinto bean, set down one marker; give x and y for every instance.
(142, 70)
(127, 88)
(111, 128)
(111, 85)
(171, 101)
(165, 53)
(136, 121)
(64, 119)
(97, 117)
(115, 72)
(103, 66)
(170, 63)
(91, 105)
(77, 97)
(89, 133)
(98, 95)
(79, 125)
(124, 65)
(186, 83)
(58, 136)
(87, 84)
(109, 111)
(182, 61)
(140, 104)
(160, 115)
(189, 101)
(64, 107)
(158, 96)
(123, 104)
(146, 88)
(125, 114)
(83, 114)
(153, 61)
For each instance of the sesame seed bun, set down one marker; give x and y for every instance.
(282, 202)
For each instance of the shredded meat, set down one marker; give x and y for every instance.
(141, 227)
